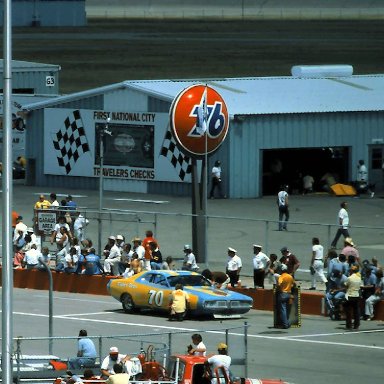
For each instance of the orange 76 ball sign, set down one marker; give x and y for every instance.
(199, 120)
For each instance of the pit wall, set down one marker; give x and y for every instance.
(312, 303)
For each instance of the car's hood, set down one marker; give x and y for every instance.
(217, 293)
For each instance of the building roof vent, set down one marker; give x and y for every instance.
(342, 70)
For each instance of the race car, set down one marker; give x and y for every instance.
(153, 289)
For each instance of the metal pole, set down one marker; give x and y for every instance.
(50, 304)
(7, 247)
(246, 349)
(205, 187)
(102, 132)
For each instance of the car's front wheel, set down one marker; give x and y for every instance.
(128, 304)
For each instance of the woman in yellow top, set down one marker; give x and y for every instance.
(352, 304)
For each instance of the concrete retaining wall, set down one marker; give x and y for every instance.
(311, 302)
(243, 9)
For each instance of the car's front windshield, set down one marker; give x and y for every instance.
(189, 280)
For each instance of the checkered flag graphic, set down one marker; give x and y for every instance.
(181, 162)
(70, 141)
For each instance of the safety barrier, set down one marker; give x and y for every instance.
(312, 303)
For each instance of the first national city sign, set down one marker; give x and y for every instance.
(199, 120)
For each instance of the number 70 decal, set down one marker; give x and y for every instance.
(155, 298)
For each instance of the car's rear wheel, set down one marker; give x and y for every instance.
(128, 304)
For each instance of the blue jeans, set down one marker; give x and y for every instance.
(283, 307)
(334, 297)
(81, 362)
(283, 213)
(155, 266)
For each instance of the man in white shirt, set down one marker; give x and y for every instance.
(111, 264)
(317, 262)
(31, 258)
(282, 203)
(343, 220)
(260, 266)
(216, 181)
(215, 362)
(234, 265)
(189, 263)
(79, 227)
(109, 361)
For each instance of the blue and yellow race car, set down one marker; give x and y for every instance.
(153, 289)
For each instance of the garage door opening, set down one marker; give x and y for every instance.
(289, 166)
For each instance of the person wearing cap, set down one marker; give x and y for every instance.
(261, 264)
(111, 263)
(317, 262)
(189, 262)
(30, 238)
(86, 352)
(285, 283)
(290, 260)
(352, 296)
(350, 249)
(140, 251)
(79, 227)
(214, 363)
(376, 296)
(283, 206)
(343, 221)
(234, 266)
(70, 204)
(109, 361)
(216, 180)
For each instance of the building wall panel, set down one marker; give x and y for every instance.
(249, 137)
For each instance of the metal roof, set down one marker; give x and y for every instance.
(28, 66)
(264, 95)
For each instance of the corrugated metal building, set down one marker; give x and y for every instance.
(31, 82)
(47, 13)
(281, 129)
(30, 78)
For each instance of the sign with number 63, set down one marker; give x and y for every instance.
(50, 81)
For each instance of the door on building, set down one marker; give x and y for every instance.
(376, 163)
(289, 166)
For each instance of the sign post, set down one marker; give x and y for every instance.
(199, 123)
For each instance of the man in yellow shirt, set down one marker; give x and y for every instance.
(285, 284)
(179, 303)
(43, 203)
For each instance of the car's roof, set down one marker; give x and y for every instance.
(167, 273)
